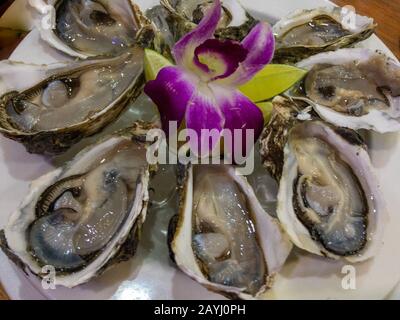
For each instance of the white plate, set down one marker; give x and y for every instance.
(151, 275)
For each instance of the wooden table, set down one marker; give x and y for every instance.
(3, 295)
(385, 12)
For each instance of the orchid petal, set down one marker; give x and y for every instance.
(260, 44)
(240, 114)
(203, 114)
(171, 92)
(219, 59)
(184, 49)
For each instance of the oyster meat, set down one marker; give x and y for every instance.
(353, 88)
(71, 103)
(329, 201)
(83, 218)
(222, 238)
(235, 22)
(85, 28)
(307, 32)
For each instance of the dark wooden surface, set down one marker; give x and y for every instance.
(385, 12)
(3, 295)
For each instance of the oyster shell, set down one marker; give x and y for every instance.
(353, 88)
(87, 28)
(72, 102)
(86, 216)
(307, 32)
(235, 22)
(163, 37)
(329, 200)
(222, 238)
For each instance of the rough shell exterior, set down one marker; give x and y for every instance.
(275, 134)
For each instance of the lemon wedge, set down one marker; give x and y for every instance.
(273, 80)
(266, 109)
(153, 63)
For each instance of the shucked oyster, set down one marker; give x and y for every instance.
(222, 238)
(72, 103)
(85, 28)
(235, 22)
(307, 32)
(353, 88)
(83, 218)
(329, 200)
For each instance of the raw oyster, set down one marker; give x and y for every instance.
(73, 102)
(85, 217)
(235, 22)
(86, 28)
(353, 88)
(222, 238)
(307, 32)
(329, 201)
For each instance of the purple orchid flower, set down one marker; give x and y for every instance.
(201, 90)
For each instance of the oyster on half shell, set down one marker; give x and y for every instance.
(353, 88)
(307, 32)
(329, 200)
(235, 22)
(71, 103)
(221, 237)
(86, 216)
(86, 28)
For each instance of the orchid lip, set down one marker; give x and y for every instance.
(219, 59)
